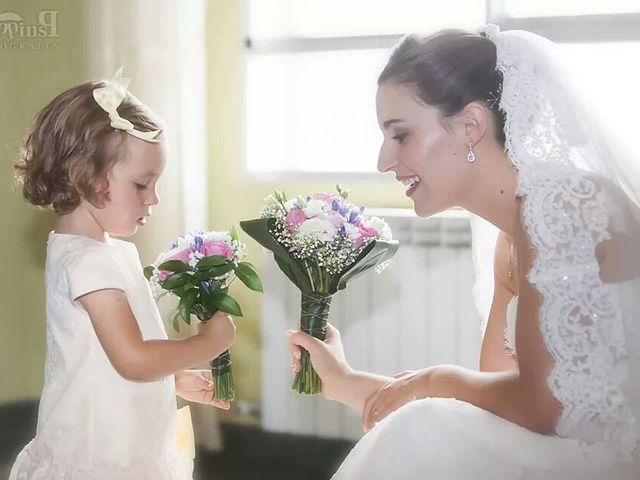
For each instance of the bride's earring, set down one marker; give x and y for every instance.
(471, 156)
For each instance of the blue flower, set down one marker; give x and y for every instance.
(206, 286)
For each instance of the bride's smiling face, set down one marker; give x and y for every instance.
(425, 152)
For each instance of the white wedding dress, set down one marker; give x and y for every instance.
(571, 181)
(440, 438)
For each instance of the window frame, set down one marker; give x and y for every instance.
(599, 28)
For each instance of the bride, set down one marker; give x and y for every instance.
(491, 123)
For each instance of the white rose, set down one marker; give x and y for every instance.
(217, 237)
(321, 229)
(352, 232)
(315, 208)
(380, 226)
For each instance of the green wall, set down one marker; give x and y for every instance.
(32, 71)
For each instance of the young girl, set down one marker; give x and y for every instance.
(108, 407)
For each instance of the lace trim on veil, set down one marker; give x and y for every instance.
(565, 214)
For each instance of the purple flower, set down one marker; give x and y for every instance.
(340, 206)
(198, 242)
(354, 217)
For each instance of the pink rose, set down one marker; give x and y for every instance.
(294, 218)
(327, 197)
(217, 248)
(182, 256)
(365, 232)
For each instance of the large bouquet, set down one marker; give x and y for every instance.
(198, 268)
(320, 242)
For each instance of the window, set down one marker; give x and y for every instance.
(312, 66)
(610, 74)
(548, 8)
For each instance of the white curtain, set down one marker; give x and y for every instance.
(161, 43)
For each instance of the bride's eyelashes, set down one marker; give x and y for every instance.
(400, 137)
(140, 186)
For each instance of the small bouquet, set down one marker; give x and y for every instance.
(320, 243)
(199, 268)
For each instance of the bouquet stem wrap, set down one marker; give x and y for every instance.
(222, 377)
(314, 315)
(224, 387)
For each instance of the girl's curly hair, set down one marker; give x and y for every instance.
(71, 148)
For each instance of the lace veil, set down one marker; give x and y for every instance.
(579, 188)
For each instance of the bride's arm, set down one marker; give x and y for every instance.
(521, 396)
(494, 355)
(339, 381)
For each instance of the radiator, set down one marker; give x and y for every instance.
(418, 312)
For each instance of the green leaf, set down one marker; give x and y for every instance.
(183, 290)
(185, 305)
(212, 261)
(224, 302)
(176, 322)
(148, 272)
(259, 230)
(374, 254)
(174, 266)
(248, 275)
(214, 272)
(176, 280)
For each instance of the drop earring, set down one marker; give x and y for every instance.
(471, 156)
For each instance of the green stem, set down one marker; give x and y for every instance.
(313, 320)
(222, 377)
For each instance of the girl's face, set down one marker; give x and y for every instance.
(132, 188)
(428, 157)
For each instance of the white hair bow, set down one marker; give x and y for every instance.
(110, 97)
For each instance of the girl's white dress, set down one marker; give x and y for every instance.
(92, 423)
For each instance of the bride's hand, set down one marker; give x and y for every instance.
(403, 388)
(327, 358)
(197, 386)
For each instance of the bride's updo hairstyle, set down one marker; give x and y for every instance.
(448, 70)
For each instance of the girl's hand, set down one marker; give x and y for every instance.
(197, 386)
(220, 332)
(403, 388)
(327, 358)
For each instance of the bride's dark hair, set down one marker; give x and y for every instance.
(448, 70)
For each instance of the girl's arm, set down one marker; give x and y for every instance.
(142, 360)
